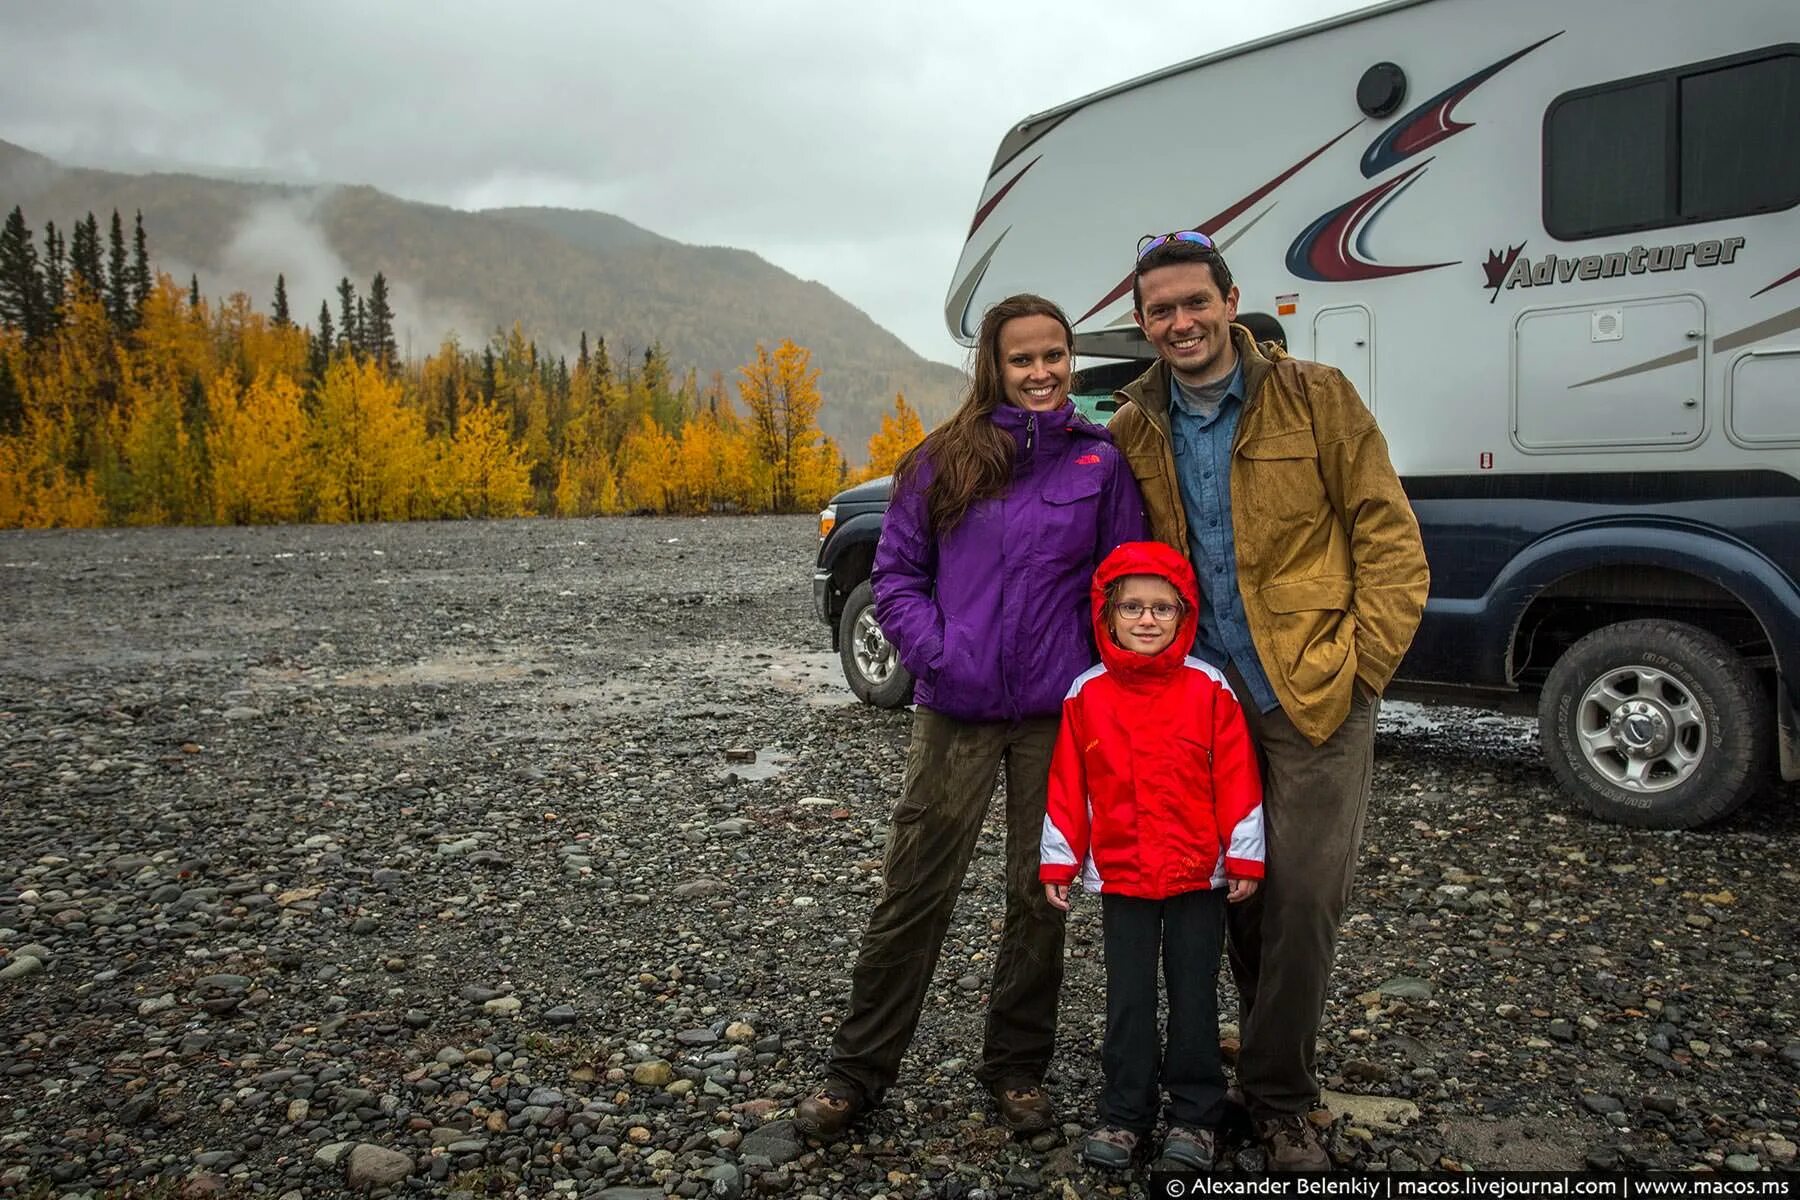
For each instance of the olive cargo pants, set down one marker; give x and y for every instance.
(1283, 939)
(951, 767)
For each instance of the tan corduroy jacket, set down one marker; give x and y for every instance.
(1329, 560)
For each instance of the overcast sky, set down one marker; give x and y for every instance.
(846, 143)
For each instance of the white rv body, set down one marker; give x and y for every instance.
(1461, 378)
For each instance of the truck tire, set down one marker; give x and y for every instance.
(1655, 724)
(871, 664)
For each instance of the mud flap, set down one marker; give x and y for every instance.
(1787, 732)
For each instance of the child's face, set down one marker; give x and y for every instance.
(1145, 597)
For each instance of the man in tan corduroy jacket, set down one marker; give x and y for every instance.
(1270, 473)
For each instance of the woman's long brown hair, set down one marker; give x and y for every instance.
(971, 457)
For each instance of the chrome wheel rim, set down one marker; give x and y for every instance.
(874, 654)
(1642, 729)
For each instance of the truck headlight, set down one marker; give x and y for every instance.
(827, 522)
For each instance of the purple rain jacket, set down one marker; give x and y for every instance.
(993, 618)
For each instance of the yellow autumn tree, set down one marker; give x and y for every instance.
(649, 461)
(483, 473)
(717, 464)
(781, 392)
(161, 458)
(900, 431)
(256, 442)
(819, 473)
(369, 453)
(37, 488)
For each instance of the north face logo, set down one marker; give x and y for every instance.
(1087, 460)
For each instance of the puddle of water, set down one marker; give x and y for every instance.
(817, 677)
(445, 670)
(410, 741)
(768, 764)
(1404, 716)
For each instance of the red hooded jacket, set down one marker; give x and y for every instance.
(1153, 789)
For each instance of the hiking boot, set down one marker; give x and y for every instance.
(1024, 1107)
(1187, 1149)
(828, 1111)
(1110, 1148)
(1290, 1143)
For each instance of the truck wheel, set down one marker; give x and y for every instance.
(1655, 724)
(871, 663)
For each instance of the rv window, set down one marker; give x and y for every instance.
(1607, 159)
(1737, 129)
(1613, 164)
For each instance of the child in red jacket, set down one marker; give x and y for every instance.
(1155, 799)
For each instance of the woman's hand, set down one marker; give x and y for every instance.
(1058, 895)
(1240, 889)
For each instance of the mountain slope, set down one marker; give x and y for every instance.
(555, 271)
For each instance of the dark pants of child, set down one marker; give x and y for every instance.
(1187, 932)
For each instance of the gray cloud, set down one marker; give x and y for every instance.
(846, 143)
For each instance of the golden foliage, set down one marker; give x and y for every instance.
(485, 475)
(370, 457)
(257, 446)
(900, 431)
(213, 413)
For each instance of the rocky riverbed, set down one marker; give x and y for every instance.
(530, 859)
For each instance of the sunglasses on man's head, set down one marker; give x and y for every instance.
(1150, 241)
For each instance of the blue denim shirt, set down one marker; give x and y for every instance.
(1202, 447)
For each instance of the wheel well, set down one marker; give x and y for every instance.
(851, 568)
(1576, 605)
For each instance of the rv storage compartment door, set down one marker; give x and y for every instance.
(1765, 399)
(1617, 373)
(1345, 338)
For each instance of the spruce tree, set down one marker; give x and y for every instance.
(581, 362)
(140, 269)
(380, 332)
(320, 357)
(346, 334)
(23, 305)
(194, 293)
(118, 276)
(56, 272)
(488, 381)
(12, 405)
(280, 314)
(84, 257)
(361, 338)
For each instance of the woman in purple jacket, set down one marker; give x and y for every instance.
(997, 522)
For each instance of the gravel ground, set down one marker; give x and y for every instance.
(416, 859)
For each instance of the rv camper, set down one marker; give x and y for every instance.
(1555, 247)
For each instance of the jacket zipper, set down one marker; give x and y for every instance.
(1030, 431)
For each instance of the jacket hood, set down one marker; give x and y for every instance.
(1146, 558)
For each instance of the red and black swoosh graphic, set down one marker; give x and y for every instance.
(1432, 121)
(1213, 224)
(1331, 249)
(1788, 278)
(981, 214)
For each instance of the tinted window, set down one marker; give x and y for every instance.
(1698, 143)
(1737, 138)
(1610, 157)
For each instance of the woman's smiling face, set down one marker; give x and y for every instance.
(1035, 363)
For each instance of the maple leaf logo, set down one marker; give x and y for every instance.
(1497, 266)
